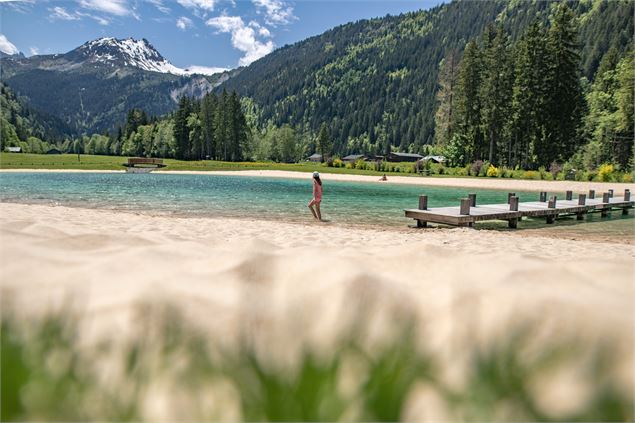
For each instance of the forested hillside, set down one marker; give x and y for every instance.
(21, 126)
(374, 81)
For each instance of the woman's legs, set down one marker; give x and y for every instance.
(311, 204)
(317, 209)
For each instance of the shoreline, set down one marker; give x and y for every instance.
(476, 183)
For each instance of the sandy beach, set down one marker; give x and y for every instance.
(476, 183)
(466, 285)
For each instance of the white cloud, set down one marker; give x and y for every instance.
(34, 51)
(112, 7)
(184, 23)
(7, 46)
(61, 14)
(160, 6)
(276, 12)
(205, 70)
(243, 38)
(200, 7)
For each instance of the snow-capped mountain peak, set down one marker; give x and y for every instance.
(128, 52)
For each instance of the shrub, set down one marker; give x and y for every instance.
(484, 168)
(360, 164)
(543, 172)
(492, 171)
(627, 177)
(605, 172)
(531, 174)
(338, 163)
(438, 168)
(329, 162)
(554, 169)
(475, 167)
(349, 165)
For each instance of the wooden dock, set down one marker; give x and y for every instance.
(513, 211)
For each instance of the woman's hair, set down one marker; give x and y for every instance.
(319, 181)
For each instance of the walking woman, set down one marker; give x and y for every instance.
(314, 204)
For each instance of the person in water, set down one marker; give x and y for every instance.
(383, 178)
(314, 204)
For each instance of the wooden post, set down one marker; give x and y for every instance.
(582, 199)
(627, 194)
(509, 196)
(610, 193)
(569, 196)
(465, 206)
(472, 198)
(543, 197)
(552, 202)
(605, 199)
(423, 202)
(513, 203)
(591, 194)
(423, 205)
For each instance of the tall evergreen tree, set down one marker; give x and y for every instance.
(468, 104)
(565, 101)
(181, 130)
(496, 89)
(529, 98)
(324, 142)
(446, 96)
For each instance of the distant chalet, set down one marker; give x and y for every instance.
(403, 157)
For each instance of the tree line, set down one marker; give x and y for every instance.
(524, 103)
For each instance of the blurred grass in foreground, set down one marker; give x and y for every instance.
(167, 367)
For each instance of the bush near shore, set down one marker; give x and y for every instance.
(604, 173)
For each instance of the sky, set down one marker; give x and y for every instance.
(221, 34)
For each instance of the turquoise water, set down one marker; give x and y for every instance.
(234, 196)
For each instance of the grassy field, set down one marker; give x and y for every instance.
(88, 162)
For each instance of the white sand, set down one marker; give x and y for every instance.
(299, 281)
(477, 183)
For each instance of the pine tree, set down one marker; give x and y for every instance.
(565, 101)
(448, 75)
(468, 104)
(529, 97)
(208, 111)
(181, 130)
(324, 142)
(496, 89)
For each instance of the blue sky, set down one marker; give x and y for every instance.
(209, 33)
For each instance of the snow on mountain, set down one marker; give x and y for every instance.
(135, 53)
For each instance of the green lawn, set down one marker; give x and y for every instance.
(88, 162)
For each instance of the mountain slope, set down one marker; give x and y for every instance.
(92, 87)
(374, 81)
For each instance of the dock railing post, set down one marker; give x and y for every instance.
(423, 202)
(605, 199)
(513, 203)
(543, 196)
(591, 194)
(465, 206)
(513, 206)
(552, 205)
(509, 196)
(581, 202)
(610, 193)
(627, 197)
(423, 205)
(569, 196)
(472, 198)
